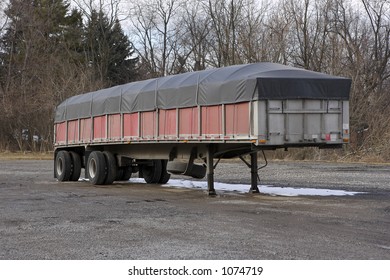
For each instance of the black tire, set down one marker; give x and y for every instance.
(123, 173)
(152, 173)
(165, 176)
(126, 175)
(111, 168)
(76, 166)
(96, 168)
(119, 174)
(63, 166)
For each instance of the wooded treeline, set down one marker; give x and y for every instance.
(51, 50)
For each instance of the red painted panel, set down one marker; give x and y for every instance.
(73, 131)
(212, 120)
(99, 127)
(230, 116)
(148, 124)
(237, 119)
(114, 126)
(243, 119)
(130, 125)
(85, 130)
(188, 122)
(60, 132)
(195, 122)
(167, 122)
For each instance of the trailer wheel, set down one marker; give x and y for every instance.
(111, 168)
(96, 168)
(76, 166)
(123, 173)
(165, 176)
(62, 166)
(152, 173)
(119, 174)
(127, 171)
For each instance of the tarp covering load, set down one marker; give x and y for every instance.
(233, 84)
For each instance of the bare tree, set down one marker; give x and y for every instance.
(3, 16)
(378, 13)
(310, 33)
(157, 35)
(264, 32)
(225, 15)
(196, 34)
(114, 9)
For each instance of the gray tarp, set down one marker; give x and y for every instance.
(226, 85)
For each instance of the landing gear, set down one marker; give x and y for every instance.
(252, 165)
(254, 175)
(210, 170)
(254, 170)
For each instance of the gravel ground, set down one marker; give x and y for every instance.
(41, 218)
(349, 176)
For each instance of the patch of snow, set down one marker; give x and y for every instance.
(243, 188)
(384, 247)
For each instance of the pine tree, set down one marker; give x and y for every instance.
(109, 51)
(122, 66)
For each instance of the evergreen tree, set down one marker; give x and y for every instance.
(122, 66)
(40, 33)
(109, 51)
(46, 24)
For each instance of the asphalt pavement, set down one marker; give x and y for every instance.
(41, 218)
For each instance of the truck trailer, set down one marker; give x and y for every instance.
(184, 124)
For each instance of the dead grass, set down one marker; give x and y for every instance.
(25, 156)
(302, 154)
